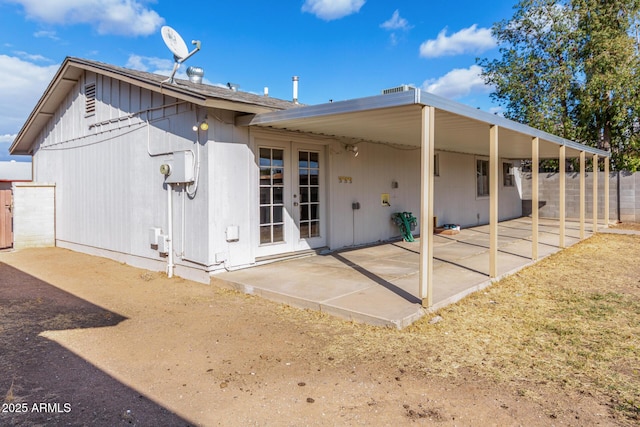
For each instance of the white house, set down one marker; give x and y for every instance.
(194, 179)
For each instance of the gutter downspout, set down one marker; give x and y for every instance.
(170, 230)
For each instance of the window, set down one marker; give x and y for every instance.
(482, 178)
(90, 99)
(309, 184)
(436, 164)
(271, 195)
(507, 174)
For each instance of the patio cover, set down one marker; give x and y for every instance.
(397, 119)
(417, 118)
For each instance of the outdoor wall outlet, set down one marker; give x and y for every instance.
(154, 235)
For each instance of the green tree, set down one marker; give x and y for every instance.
(572, 68)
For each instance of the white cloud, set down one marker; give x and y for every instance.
(7, 138)
(30, 56)
(48, 34)
(151, 64)
(396, 22)
(123, 17)
(21, 86)
(467, 40)
(458, 83)
(329, 10)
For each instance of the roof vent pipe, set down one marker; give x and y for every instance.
(195, 74)
(295, 89)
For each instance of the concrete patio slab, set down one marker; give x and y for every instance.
(379, 284)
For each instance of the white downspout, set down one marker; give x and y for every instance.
(170, 230)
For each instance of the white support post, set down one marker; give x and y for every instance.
(606, 192)
(535, 166)
(425, 286)
(582, 198)
(493, 201)
(563, 176)
(595, 193)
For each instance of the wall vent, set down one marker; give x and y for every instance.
(403, 88)
(90, 99)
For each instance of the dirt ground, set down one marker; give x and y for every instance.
(89, 341)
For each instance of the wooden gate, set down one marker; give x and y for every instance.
(6, 226)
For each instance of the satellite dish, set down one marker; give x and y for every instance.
(174, 42)
(178, 47)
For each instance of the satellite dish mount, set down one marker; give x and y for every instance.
(178, 47)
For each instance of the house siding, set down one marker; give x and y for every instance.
(109, 188)
(373, 172)
(110, 192)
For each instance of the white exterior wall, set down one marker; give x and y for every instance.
(109, 188)
(231, 181)
(372, 173)
(455, 196)
(33, 215)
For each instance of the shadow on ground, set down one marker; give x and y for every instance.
(43, 383)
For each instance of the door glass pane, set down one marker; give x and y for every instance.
(315, 229)
(265, 214)
(278, 176)
(304, 230)
(314, 161)
(304, 177)
(277, 214)
(265, 195)
(278, 233)
(265, 176)
(265, 157)
(309, 188)
(277, 195)
(272, 172)
(278, 158)
(303, 159)
(265, 234)
(313, 180)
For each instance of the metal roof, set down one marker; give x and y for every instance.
(396, 119)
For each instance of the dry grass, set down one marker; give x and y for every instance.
(571, 322)
(10, 397)
(628, 226)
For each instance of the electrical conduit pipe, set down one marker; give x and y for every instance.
(170, 230)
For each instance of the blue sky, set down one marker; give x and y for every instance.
(340, 49)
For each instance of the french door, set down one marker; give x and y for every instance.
(292, 214)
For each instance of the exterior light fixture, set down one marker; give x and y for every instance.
(353, 149)
(202, 126)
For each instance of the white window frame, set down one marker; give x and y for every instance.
(506, 174)
(484, 195)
